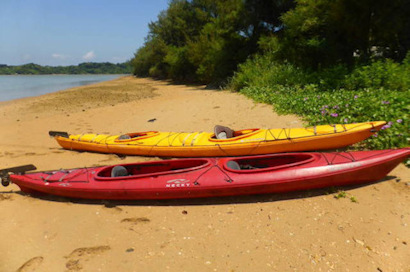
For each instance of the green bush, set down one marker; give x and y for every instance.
(263, 71)
(381, 74)
(375, 92)
(343, 106)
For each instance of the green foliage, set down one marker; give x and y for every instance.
(82, 68)
(205, 40)
(381, 74)
(219, 47)
(340, 194)
(323, 33)
(179, 66)
(377, 94)
(324, 60)
(149, 60)
(263, 71)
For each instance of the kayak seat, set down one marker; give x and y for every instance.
(119, 171)
(233, 165)
(222, 132)
(124, 137)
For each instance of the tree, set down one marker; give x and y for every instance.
(323, 33)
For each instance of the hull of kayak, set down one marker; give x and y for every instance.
(209, 177)
(204, 144)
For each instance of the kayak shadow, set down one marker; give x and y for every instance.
(220, 200)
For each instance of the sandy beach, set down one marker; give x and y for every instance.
(303, 231)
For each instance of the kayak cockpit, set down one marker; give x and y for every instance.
(136, 136)
(267, 163)
(150, 169)
(226, 134)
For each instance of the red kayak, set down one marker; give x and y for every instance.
(209, 177)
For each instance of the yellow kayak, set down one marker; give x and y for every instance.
(222, 142)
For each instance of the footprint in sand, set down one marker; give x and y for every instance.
(34, 154)
(79, 256)
(31, 265)
(135, 220)
(5, 197)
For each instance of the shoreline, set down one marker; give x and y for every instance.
(64, 85)
(306, 231)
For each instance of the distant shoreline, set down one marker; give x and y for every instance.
(67, 75)
(82, 68)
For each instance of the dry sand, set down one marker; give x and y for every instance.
(305, 231)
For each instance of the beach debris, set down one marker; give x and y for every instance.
(152, 120)
(184, 212)
(129, 250)
(358, 241)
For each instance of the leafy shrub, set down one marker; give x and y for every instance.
(375, 92)
(263, 71)
(343, 106)
(381, 74)
(180, 68)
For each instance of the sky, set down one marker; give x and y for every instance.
(69, 32)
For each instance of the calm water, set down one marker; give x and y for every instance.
(12, 87)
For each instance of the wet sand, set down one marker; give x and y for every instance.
(303, 231)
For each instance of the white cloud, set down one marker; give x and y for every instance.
(58, 56)
(89, 56)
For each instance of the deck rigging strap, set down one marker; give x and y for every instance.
(346, 155)
(219, 146)
(176, 136)
(96, 135)
(195, 137)
(186, 137)
(273, 136)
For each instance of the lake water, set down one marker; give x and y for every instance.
(19, 86)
